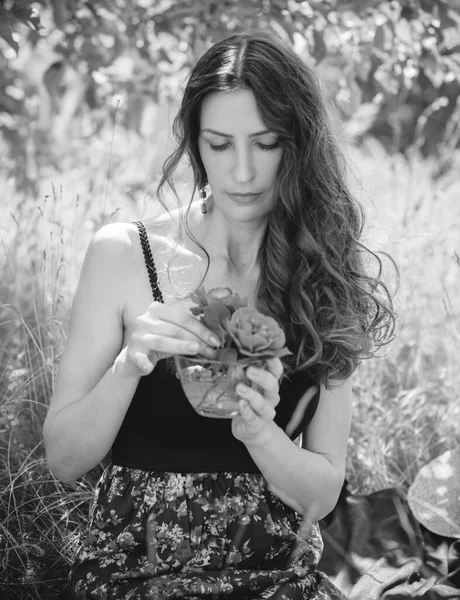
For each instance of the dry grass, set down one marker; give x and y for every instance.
(406, 409)
(407, 406)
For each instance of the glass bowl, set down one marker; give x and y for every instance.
(209, 385)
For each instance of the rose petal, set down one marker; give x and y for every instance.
(220, 293)
(253, 332)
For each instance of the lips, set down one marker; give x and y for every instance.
(244, 194)
(244, 197)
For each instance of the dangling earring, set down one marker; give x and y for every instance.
(204, 208)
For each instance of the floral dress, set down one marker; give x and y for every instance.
(196, 535)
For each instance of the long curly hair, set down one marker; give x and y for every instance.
(314, 283)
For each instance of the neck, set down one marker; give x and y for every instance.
(238, 250)
(233, 244)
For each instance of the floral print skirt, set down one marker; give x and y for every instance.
(215, 536)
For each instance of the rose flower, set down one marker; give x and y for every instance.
(256, 335)
(244, 332)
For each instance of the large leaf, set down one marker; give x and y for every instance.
(23, 11)
(320, 49)
(6, 29)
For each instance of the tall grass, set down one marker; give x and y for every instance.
(407, 404)
(406, 408)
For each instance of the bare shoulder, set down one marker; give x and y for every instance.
(114, 238)
(115, 256)
(117, 245)
(105, 264)
(164, 231)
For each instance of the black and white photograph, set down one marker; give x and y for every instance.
(229, 299)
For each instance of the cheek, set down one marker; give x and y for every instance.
(270, 166)
(213, 163)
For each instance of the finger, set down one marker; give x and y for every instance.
(267, 382)
(170, 330)
(275, 366)
(261, 406)
(245, 410)
(168, 345)
(143, 363)
(182, 317)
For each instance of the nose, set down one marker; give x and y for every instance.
(243, 170)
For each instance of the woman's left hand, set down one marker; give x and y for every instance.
(257, 409)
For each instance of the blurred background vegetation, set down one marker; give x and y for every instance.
(88, 89)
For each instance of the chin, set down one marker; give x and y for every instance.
(244, 211)
(248, 213)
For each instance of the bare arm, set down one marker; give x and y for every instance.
(309, 480)
(92, 392)
(97, 377)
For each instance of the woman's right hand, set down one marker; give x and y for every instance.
(164, 330)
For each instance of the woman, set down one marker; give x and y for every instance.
(215, 508)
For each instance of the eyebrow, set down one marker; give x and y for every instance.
(227, 135)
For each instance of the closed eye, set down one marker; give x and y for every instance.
(220, 148)
(266, 147)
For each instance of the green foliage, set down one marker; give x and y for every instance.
(392, 66)
(14, 12)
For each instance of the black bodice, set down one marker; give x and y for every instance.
(162, 432)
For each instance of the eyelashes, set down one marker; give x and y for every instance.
(265, 147)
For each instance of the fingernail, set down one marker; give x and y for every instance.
(210, 351)
(214, 341)
(192, 347)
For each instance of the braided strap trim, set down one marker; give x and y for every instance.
(149, 262)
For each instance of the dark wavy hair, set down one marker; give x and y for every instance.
(314, 281)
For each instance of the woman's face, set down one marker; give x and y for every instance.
(240, 155)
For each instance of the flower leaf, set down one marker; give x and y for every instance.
(214, 314)
(227, 356)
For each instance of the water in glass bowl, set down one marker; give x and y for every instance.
(210, 385)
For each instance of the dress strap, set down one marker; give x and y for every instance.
(151, 270)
